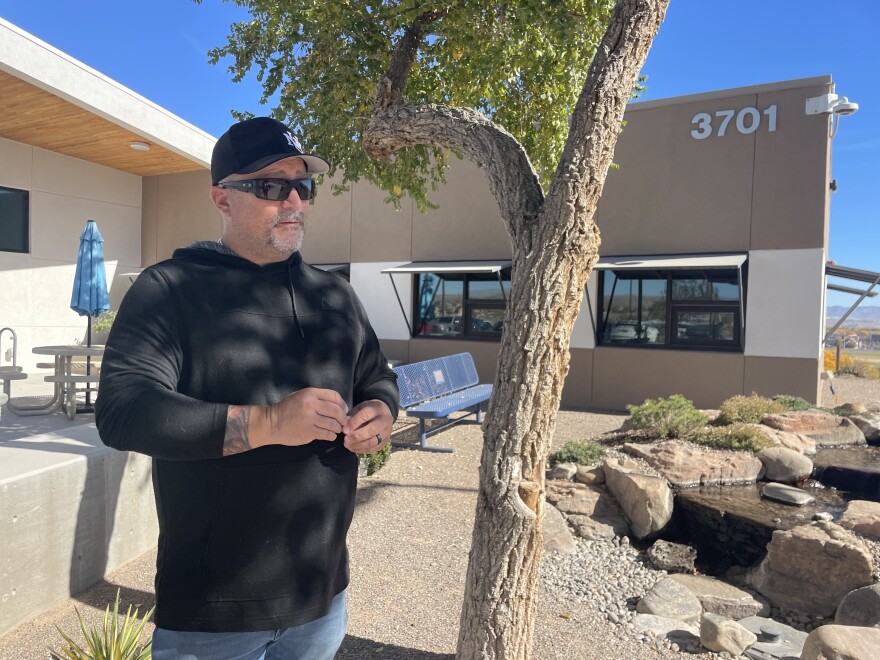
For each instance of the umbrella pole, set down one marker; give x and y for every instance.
(88, 407)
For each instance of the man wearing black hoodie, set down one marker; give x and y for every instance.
(252, 379)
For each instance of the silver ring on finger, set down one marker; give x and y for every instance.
(378, 439)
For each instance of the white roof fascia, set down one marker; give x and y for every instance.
(24, 56)
(672, 262)
(450, 267)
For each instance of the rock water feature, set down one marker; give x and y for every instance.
(855, 470)
(732, 525)
(789, 559)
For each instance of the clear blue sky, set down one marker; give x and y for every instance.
(159, 49)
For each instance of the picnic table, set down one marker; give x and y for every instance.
(67, 383)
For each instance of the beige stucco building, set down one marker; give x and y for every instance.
(711, 280)
(730, 188)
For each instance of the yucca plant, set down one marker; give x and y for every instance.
(112, 642)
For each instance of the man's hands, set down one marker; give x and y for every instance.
(369, 427)
(311, 414)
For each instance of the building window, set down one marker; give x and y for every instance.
(460, 305)
(13, 220)
(694, 308)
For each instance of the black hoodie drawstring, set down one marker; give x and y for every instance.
(292, 290)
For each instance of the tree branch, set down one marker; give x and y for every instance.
(512, 178)
(598, 115)
(391, 88)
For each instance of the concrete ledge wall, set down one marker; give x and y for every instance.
(71, 510)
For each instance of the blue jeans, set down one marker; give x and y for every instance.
(316, 640)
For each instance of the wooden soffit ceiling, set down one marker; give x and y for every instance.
(37, 118)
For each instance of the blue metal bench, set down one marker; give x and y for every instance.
(434, 389)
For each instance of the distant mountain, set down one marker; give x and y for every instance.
(861, 313)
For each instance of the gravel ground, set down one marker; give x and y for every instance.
(409, 544)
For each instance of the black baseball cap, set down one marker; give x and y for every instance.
(255, 143)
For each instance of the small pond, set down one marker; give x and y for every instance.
(732, 525)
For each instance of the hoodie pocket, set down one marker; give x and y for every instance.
(279, 529)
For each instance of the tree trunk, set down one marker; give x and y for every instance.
(552, 259)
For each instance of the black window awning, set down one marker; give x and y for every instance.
(441, 267)
(450, 267)
(672, 262)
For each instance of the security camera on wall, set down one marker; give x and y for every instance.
(831, 103)
(844, 106)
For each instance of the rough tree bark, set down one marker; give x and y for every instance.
(555, 244)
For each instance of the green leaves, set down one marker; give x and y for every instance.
(111, 642)
(522, 64)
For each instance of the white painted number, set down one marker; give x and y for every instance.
(753, 123)
(704, 126)
(771, 115)
(748, 120)
(726, 114)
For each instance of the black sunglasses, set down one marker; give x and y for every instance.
(276, 190)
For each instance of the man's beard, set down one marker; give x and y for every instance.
(288, 243)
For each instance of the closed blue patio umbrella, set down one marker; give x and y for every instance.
(90, 296)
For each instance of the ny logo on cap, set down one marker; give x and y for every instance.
(292, 141)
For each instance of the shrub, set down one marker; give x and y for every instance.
(846, 362)
(860, 369)
(737, 436)
(846, 410)
(112, 642)
(104, 322)
(748, 409)
(674, 417)
(792, 402)
(375, 462)
(582, 452)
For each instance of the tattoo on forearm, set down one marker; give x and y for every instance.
(236, 439)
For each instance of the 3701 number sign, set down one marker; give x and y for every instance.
(748, 120)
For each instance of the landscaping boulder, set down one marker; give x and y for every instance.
(784, 465)
(775, 639)
(801, 421)
(842, 643)
(810, 568)
(720, 634)
(671, 599)
(590, 475)
(860, 607)
(862, 517)
(591, 511)
(803, 444)
(557, 535)
(845, 434)
(718, 597)
(685, 464)
(646, 500)
(869, 425)
(826, 429)
(672, 557)
(678, 632)
(786, 494)
(564, 471)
